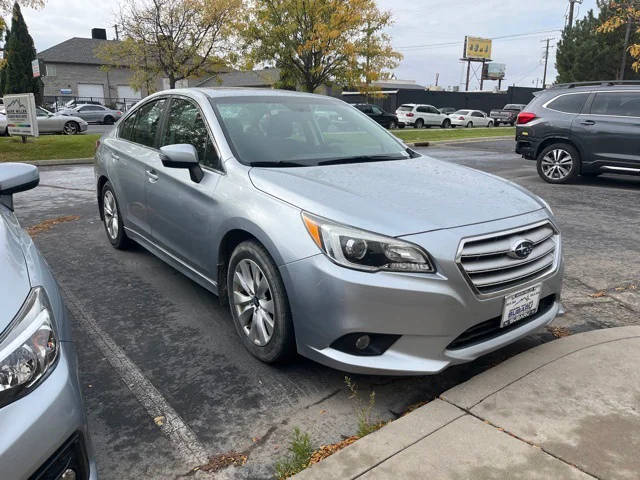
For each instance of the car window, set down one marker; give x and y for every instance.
(85, 109)
(147, 122)
(432, 110)
(365, 108)
(422, 109)
(376, 110)
(477, 114)
(126, 128)
(272, 130)
(186, 125)
(40, 112)
(625, 104)
(513, 106)
(569, 103)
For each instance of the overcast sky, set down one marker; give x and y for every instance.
(419, 24)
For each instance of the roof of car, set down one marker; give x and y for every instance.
(218, 92)
(596, 85)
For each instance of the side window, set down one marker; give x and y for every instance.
(625, 104)
(477, 114)
(147, 123)
(572, 103)
(422, 110)
(126, 129)
(366, 109)
(186, 125)
(432, 110)
(376, 110)
(85, 109)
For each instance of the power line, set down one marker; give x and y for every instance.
(503, 37)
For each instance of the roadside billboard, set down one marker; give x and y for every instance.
(494, 71)
(21, 115)
(476, 48)
(35, 66)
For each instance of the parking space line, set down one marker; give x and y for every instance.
(182, 438)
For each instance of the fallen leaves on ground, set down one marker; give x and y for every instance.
(224, 460)
(621, 288)
(159, 420)
(328, 450)
(48, 224)
(600, 294)
(559, 332)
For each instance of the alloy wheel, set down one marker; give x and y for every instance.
(557, 164)
(70, 128)
(253, 302)
(110, 214)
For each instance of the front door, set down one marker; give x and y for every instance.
(610, 132)
(46, 124)
(184, 214)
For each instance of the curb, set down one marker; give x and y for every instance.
(462, 140)
(62, 161)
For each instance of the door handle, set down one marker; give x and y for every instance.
(115, 156)
(588, 122)
(153, 177)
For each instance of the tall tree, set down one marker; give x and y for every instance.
(20, 51)
(177, 39)
(315, 42)
(625, 18)
(583, 54)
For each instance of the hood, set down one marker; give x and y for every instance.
(14, 276)
(397, 197)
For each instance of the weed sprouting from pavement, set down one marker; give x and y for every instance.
(300, 451)
(363, 409)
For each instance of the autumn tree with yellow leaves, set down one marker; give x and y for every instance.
(626, 14)
(316, 42)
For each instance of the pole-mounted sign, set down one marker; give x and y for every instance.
(22, 120)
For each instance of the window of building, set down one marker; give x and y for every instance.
(51, 70)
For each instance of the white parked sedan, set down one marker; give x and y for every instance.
(470, 118)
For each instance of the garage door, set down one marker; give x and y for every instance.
(125, 91)
(91, 91)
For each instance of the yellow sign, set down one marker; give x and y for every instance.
(476, 47)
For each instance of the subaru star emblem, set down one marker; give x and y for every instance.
(521, 249)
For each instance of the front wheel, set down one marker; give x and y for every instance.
(490, 124)
(70, 128)
(259, 304)
(558, 163)
(401, 125)
(108, 120)
(446, 123)
(393, 125)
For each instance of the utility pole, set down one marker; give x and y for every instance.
(117, 34)
(571, 7)
(623, 63)
(546, 62)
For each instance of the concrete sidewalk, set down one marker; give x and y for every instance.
(568, 409)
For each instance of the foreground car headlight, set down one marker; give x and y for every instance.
(28, 348)
(362, 250)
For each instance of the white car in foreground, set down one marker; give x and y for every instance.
(421, 116)
(470, 118)
(3, 124)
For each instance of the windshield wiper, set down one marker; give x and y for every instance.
(362, 159)
(281, 163)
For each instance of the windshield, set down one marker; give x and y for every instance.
(282, 131)
(406, 108)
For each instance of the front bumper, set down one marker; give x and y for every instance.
(46, 425)
(427, 311)
(84, 127)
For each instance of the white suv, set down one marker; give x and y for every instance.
(421, 116)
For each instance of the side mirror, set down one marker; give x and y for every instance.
(14, 178)
(182, 155)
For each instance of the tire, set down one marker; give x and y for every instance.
(113, 225)
(393, 125)
(401, 125)
(419, 123)
(513, 124)
(108, 120)
(250, 263)
(453, 126)
(490, 125)
(70, 128)
(469, 125)
(446, 123)
(497, 123)
(558, 163)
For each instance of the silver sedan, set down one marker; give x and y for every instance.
(93, 113)
(51, 123)
(334, 241)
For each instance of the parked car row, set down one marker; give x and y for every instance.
(49, 122)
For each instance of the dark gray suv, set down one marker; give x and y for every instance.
(582, 129)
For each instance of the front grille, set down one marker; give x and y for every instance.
(491, 328)
(487, 265)
(71, 456)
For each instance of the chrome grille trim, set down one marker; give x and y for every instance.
(484, 262)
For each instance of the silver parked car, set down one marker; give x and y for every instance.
(49, 122)
(44, 429)
(93, 113)
(339, 243)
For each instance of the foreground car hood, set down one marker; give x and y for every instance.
(14, 276)
(397, 197)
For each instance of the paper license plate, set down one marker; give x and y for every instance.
(520, 305)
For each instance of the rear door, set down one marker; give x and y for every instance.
(133, 152)
(479, 119)
(610, 131)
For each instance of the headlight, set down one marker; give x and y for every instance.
(362, 250)
(28, 348)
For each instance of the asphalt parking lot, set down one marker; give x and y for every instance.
(144, 329)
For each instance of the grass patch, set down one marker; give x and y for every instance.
(433, 134)
(47, 147)
(300, 451)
